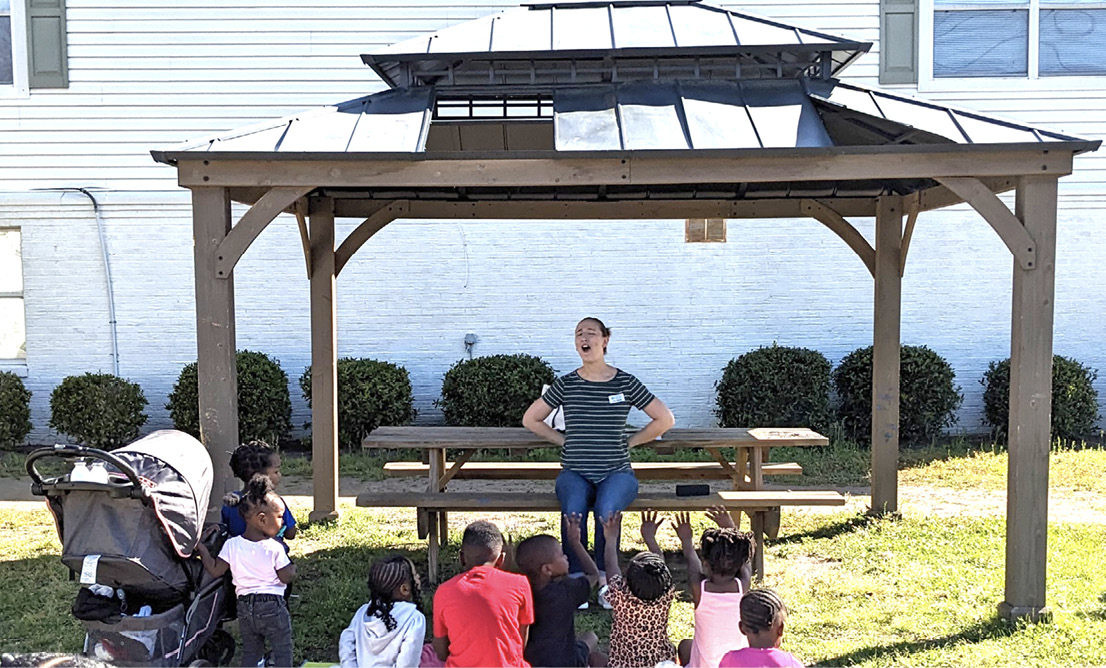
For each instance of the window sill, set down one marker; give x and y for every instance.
(18, 367)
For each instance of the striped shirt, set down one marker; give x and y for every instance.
(595, 421)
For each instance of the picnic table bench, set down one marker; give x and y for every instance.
(746, 471)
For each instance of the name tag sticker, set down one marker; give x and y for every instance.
(88, 569)
(616, 398)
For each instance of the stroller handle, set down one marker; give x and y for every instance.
(69, 451)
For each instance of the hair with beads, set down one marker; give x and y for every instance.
(250, 459)
(761, 609)
(384, 576)
(726, 550)
(256, 495)
(648, 576)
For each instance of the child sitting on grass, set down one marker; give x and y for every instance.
(640, 600)
(763, 616)
(482, 616)
(389, 631)
(260, 570)
(716, 584)
(248, 460)
(553, 640)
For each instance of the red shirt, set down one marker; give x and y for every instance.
(481, 612)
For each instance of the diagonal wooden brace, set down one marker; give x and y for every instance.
(1000, 218)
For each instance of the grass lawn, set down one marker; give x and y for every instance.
(916, 591)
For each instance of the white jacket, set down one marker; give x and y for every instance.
(366, 643)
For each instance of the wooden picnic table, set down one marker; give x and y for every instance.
(746, 469)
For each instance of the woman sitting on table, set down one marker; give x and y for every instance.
(595, 456)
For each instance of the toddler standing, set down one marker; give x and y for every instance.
(763, 616)
(640, 600)
(389, 631)
(260, 570)
(716, 584)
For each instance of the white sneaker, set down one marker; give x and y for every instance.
(583, 606)
(603, 602)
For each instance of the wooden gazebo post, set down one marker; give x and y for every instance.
(216, 370)
(324, 361)
(1030, 404)
(885, 356)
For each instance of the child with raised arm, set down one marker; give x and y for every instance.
(640, 599)
(553, 641)
(483, 615)
(261, 570)
(716, 585)
(763, 616)
(390, 630)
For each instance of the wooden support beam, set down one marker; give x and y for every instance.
(842, 228)
(885, 357)
(253, 222)
(217, 373)
(1030, 406)
(324, 362)
(938, 197)
(1001, 219)
(913, 206)
(300, 209)
(374, 223)
(545, 168)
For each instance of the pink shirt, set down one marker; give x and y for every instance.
(751, 657)
(716, 631)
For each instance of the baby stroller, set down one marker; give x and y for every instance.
(129, 522)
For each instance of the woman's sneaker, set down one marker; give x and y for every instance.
(603, 602)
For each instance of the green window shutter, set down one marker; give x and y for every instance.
(898, 41)
(46, 44)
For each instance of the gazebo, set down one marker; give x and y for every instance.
(649, 109)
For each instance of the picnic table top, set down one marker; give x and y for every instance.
(523, 439)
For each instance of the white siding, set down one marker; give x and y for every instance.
(148, 73)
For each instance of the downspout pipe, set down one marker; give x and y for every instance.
(107, 270)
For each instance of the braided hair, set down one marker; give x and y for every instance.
(648, 576)
(726, 550)
(384, 576)
(251, 458)
(761, 609)
(256, 495)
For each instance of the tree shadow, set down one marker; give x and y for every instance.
(993, 628)
(1099, 614)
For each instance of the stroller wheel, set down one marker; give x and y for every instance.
(217, 651)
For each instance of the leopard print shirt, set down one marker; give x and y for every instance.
(639, 632)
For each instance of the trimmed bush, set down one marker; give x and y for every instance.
(264, 405)
(1074, 399)
(775, 386)
(15, 410)
(928, 397)
(371, 394)
(100, 410)
(492, 391)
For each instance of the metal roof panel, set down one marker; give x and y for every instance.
(649, 115)
(716, 116)
(694, 27)
(586, 120)
(582, 28)
(527, 31)
(641, 27)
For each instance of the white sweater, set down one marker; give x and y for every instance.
(366, 643)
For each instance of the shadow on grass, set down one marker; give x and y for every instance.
(996, 627)
(831, 530)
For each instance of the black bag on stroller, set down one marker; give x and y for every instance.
(129, 525)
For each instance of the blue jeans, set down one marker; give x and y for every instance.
(264, 617)
(578, 495)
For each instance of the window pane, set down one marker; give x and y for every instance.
(11, 261)
(5, 7)
(6, 50)
(13, 330)
(981, 43)
(1071, 41)
(977, 3)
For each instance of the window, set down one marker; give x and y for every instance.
(698, 230)
(13, 326)
(7, 69)
(1018, 38)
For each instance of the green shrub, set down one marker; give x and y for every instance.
(776, 386)
(98, 409)
(15, 410)
(371, 394)
(492, 391)
(264, 405)
(1074, 399)
(928, 397)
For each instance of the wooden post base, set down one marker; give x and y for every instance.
(1028, 613)
(322, 516)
